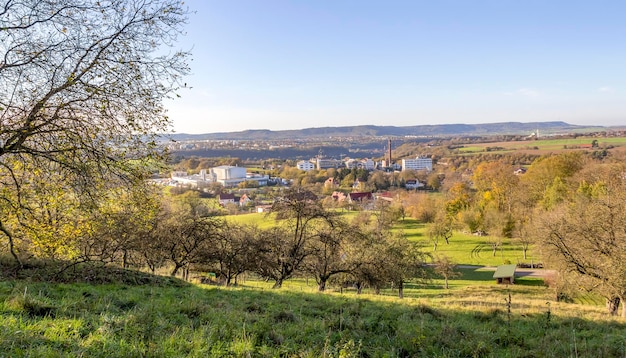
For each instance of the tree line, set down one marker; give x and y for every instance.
(144, 229)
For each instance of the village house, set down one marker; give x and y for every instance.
(413, 184)
(226, 198)
(331, 183)
(360, 197)
(244, 200)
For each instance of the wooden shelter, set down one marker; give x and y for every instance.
(505, 274)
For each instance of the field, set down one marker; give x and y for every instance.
(544, 146)
(475, 318)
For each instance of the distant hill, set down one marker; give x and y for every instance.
(434, 130)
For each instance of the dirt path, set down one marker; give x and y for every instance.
(519, 272)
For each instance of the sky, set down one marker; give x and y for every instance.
(271, 64)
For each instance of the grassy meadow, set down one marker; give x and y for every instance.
(474, 318)
(543, 146)
(106, 312)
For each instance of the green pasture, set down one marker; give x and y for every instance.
(467, 249)
(602, 142)
(41, 319)
(549, 145)
(262, 220)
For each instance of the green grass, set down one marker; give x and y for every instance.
(262, 220)
(545, 145)
(466, 249)
(113, 320)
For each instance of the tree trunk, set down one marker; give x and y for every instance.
(359, 288)
(322, 284)
(446, 280)
(125, 259)
(175, 270)
(11, 245)
(278, 283)
(401, 289)
(229, 277)
(612, 305)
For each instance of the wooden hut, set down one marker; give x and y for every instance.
(505, 274)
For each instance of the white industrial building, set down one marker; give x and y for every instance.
(228, 172)
(368, 164)
(323, 163)
(305, 165)
(194, 180)
(419, 163)
(230, 176)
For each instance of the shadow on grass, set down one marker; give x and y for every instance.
(476, 274)
(529, 281)
(120, 320)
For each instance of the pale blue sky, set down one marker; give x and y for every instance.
(268, 64)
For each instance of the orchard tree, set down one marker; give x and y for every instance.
(185, 230)
(299, 214)
(446, 268)
(585, 237)
(376, 256)
(403, 261)
(81, 90)
(122, 226)
(364, 253)
(386, 214)
(276, 257)
(231, 251)
(441, 228)
(327, 254)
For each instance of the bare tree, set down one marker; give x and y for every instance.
(185, 242)
(328, 253)
(278, 258)
(445, 268)
(81, 87)
(300, 213)
(232, 251)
